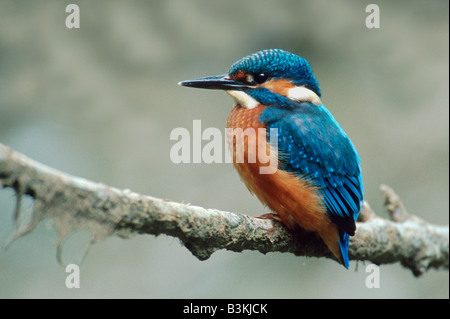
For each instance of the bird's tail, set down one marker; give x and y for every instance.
(343, 245)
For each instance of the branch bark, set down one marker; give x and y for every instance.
(75, 203)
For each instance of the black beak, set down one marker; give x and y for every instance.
(218, 82)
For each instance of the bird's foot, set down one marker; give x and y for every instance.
(271, 216)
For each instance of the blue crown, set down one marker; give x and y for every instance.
(276, 63)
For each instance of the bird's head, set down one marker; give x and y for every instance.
(270, 77)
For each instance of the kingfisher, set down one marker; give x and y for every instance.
(317, 184)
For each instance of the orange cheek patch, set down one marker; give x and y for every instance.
(278, 86)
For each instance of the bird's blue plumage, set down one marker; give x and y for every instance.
(312, 145)
(279, 64)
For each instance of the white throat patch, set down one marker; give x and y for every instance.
(243, 99)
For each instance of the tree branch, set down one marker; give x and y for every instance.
(75, 203)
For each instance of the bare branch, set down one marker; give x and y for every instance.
(75, 203)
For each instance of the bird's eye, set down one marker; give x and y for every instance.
(257, 78)
(260, 78)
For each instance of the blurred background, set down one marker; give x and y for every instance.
(100, 102)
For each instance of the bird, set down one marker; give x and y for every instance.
(317, 182)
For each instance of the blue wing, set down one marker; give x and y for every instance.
(311, 144)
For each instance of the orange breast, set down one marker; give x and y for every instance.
(295, 200)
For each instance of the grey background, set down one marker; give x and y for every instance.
(100, 103)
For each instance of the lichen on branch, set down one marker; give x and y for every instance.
(77, 203)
